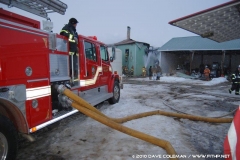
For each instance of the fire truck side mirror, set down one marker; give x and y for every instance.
(111, 59)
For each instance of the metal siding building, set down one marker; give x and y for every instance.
(197, 43)
(196, 50)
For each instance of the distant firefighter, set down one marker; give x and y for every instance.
(154, 73)
(144, 71)
(150, 72)
(235, 81)
(206, 72)
(159, 71)
(125, 70)
(132, 71)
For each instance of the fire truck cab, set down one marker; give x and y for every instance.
(33, 61)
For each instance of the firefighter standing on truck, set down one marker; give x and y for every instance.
(235, 81)
(69, 31)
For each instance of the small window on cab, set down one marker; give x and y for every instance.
(104, 53)
(90, 51)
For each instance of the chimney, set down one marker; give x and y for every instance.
(128, 32)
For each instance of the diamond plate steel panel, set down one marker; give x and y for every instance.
(59, 67)
(16, 94)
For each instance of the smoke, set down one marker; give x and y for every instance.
(151, 58)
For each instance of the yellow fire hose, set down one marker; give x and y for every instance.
(92, 112)
(110, 123)
(85, 104)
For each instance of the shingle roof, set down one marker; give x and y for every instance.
(129, 41)
(197, 43)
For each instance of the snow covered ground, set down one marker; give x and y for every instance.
(172, 79)
(79, 137)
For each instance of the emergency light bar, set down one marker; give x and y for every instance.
(38, 7)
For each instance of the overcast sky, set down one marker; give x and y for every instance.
(108, 19)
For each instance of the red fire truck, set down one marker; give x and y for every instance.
(33, 61)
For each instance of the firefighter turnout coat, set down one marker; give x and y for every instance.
(69, 31)
(236, 77)
(206, 72)
(235, 82)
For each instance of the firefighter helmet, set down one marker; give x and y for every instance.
(73, 21)
(206, 66)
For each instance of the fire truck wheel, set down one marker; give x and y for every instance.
(8, 139)
(116, 94)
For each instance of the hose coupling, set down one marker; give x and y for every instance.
(60, 88)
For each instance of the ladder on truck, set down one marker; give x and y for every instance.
(38, 7)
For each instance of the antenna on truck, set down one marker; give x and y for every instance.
(38, 7)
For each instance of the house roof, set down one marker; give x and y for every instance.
(129, 41)
(220, 23)
(197, 43)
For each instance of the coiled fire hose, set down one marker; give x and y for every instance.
(87, 109)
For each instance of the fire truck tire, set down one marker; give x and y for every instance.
(116, 94)
(8, 139)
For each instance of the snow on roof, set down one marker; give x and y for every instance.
(129, 41)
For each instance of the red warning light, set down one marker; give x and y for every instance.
(93, 37)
